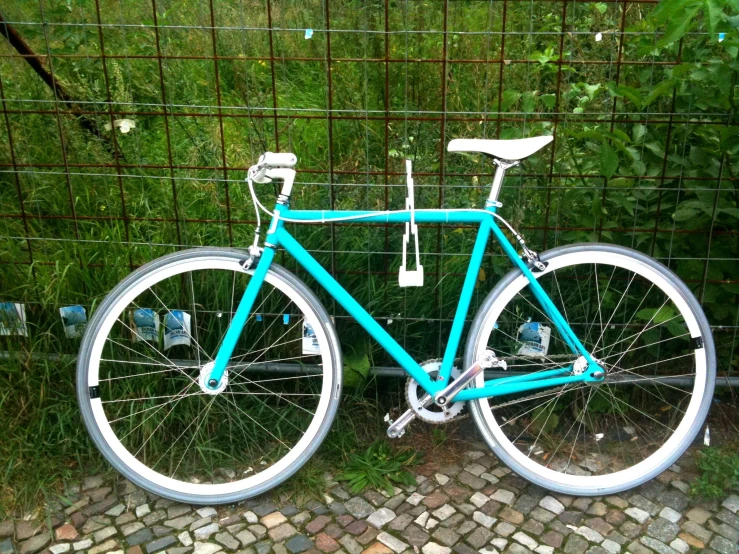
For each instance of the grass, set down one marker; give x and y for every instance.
(719, 472)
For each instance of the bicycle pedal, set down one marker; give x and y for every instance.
(397, 427)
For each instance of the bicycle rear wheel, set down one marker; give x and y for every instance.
(649, 333)
(140, 378)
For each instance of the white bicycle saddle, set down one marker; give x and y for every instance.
(511, 150)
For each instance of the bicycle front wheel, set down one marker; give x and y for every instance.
(144, 359)
(647, 331)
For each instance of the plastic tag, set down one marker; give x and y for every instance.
(310, 342)
(145, 325)
(74, 319)
(176, 329)
(13, 319)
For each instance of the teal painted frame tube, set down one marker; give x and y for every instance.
(278, 236)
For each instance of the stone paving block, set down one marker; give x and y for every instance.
(724, 530)
(575, 545)
(35, 543)
(273, 520)
(381, 517)
(541, 515)
(358, 507)
(414, 499)
(638, 514)
(160, 544)
(185, 538)
(503, 496)
(434, 548)
(415, 535)
(443, 513)
(552, 538)
(525, 540)
(479, 537)
(206, 548)
(698, 514)
(141, 536)
(657, 546)
(484, 520)
(300, 543)
(504, 529)
(395, 544)
(227, 540)
(680, 545)
(510, 515)
(400, 522)
(317, 524)
(447, 537)
(591, 534)
(643, 504)
(259, 531)
(731, 503)
(246, 538)
(435, 500)
(282, 532)
(203, 533)
(377, 548)
(475, 483)
(696, 530)
(6, 546)
(351, 545)
(723, 545)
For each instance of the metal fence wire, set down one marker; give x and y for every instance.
(127, 127)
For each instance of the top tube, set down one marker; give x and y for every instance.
(400, 216)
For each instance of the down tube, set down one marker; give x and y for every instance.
(284, 239)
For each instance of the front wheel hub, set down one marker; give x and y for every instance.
(211, 386)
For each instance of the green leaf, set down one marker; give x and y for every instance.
(356, 369)
(667, 10)
(549, 100)
(631, 94)
(528, 104)
(656, 315)
(510, 97)
(608, 160)
(590, 90)
(714, 14)
(683, 214)
(663, 88)
(733, 212)
(678, 25)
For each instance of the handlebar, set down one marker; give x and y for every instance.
(271, 160)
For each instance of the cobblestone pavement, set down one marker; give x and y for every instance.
(476, 506)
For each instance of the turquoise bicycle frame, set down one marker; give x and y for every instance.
(278, 236)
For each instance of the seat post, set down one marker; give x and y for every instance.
(501, 166)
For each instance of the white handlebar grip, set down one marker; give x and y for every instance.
(284, 159)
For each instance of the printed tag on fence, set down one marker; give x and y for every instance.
(310, 342)
(74, 319)
(13, 319)
(535, 338)
(176, 329)
(145, 325)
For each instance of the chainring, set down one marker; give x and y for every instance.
(432, 413)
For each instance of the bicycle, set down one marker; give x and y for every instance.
(607, 359)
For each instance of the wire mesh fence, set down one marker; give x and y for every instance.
(128, 126)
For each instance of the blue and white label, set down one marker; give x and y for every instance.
(145, 325)
(534, 338)
(310, 341)
(176, 329)
(13, 319)
(74, 319)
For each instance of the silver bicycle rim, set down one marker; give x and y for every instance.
(257, 482)
(619, 480)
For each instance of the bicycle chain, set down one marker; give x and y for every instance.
(547, 392)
